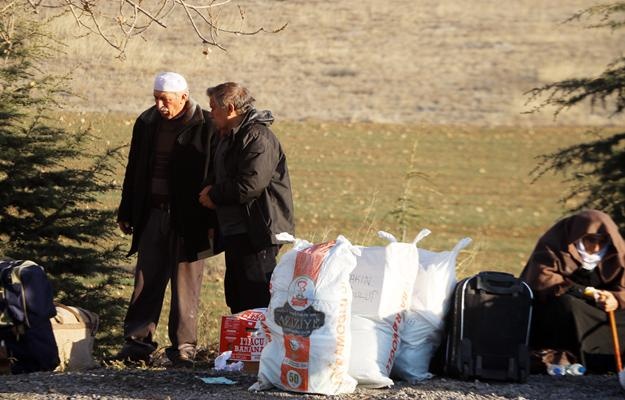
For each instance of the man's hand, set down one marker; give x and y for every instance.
(606, 301)
(125, 227)
(205, 199)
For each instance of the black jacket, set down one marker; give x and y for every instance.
(189, 160)
(257, 180)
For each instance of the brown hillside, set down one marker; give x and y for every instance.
(451, 62)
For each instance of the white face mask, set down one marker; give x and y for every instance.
(590, 261)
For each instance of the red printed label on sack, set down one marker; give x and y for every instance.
(394, 343)
(301, 290)
(298, 318)
(339, 366)
(396, 325)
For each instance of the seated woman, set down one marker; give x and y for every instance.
(578, 253)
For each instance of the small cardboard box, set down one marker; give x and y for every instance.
(251, 367)
(242, 334)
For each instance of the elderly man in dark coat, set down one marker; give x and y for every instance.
(168, 160)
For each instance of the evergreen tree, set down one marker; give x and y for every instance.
(48, 197)
(594, 169)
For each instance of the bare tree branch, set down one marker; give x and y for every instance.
(8, 6)
(212, 5)
(147, 14)
(210, 23)
(118, 23)
(34, 4)
(196, 29)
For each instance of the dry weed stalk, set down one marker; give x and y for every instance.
(463, 266)
(366, 227)
(405, 212)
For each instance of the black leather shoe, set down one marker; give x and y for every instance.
(184, 358)
(182, 361)
(134, 353)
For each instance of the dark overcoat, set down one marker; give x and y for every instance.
(190, 159)
(257, 180)
(551, 267)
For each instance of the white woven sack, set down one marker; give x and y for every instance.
(308, 319)
(375, 337)
(421, 334)
(379, 279)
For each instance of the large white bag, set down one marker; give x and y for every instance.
(379, 280)
(422, 331)
(388, 272)
(308, 319)
(374, 344)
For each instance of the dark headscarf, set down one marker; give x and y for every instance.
(555, 258)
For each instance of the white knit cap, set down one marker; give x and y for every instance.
(170, 82)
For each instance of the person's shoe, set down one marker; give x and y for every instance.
(134, 352)
(184, 358)
(182, 361)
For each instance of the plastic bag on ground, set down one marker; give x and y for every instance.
(421, 334)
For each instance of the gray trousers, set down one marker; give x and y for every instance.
(158, 264)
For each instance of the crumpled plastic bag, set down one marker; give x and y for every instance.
(221, 363)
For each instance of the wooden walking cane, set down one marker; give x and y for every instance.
(617, 350)
(617, 347)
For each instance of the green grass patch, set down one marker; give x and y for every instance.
(347, 179)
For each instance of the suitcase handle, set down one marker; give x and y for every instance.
(498, 283)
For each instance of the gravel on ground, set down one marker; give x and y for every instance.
(170, 384)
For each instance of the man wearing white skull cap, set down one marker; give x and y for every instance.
(170, 82)
(169, 158)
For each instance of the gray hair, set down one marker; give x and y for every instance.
(232, 93)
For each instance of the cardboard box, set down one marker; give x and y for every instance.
(242, 334)
(251, 367)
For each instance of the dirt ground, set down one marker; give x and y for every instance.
(185, 384)
(366, 60)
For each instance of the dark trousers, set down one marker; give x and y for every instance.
(570, 323)
(248, 272)
(158, 264)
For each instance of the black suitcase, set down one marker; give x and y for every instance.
(488, 328)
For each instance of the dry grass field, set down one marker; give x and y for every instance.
(347, 179)
(419, 61)
(367, 91)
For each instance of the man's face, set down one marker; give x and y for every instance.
(219, 114)
(170, 104)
